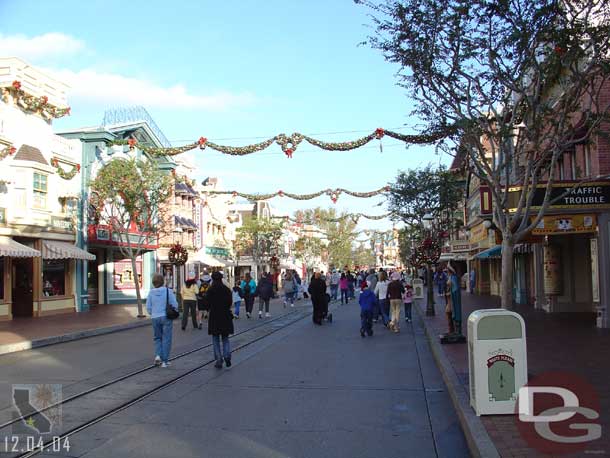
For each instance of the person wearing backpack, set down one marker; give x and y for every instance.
(289, 288)
(248, 287)
(202, 302)
(264, 291)
(156, 306)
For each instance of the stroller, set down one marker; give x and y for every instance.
(328, 316)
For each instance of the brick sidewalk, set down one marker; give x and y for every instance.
(20, 330)
(584, 353)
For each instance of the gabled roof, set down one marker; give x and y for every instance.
(29, 153)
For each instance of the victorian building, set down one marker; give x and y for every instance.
(40, 197)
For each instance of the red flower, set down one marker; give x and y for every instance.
(202, 141)
(289, 152)
(44, 99)
(12, 150)
(16, 85)
(379, 132)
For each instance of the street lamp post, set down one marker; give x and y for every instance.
(177, 261)
(427, 222)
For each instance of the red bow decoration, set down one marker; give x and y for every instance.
(334, 198)
(68, 111)
(386, 189)
(54, 162)
(12, 150)
(280, 193)
(559, 50)
(202, 141)
(16, 85)
(379, 132)
(78, 167)
(289, 152)
(234, 194)
(132, 143)
(44, 99)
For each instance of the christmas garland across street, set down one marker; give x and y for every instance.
(289, 143)
(62, 173)
(332, 193)
(33, 104)
(353, 216)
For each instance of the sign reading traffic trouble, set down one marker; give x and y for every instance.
(591, 195)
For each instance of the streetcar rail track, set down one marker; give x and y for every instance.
(140, 371)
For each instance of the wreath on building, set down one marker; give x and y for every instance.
(178, 255)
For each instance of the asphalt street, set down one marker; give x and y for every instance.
(303, 391)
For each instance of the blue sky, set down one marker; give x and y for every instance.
(234, 72)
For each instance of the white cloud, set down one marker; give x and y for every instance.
(91, 85)
(47, 45)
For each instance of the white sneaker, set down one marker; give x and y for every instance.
(164, 364)
(260, 314)
(291, 305)
(157, 360)
(267, 315)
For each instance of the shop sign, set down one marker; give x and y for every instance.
(2, 215)
(552, 270)
(64, 224)
(478, 233)
(459, 246)
(122, 274)
(565, 224)
(592, 195)
(216, 251)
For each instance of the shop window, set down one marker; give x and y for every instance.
(69, 207)
(587, 151)
(40, 190)
(54, 277)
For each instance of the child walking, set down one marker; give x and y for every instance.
(236, 299)
(367, 301)
(407, 298)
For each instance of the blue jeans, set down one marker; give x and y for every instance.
(226, 347)
(237, 304)
(333, 291)
(344, 294)
(384, 310)
(290, 297)
(408, 306)
(162, 335)
(352, 291)
(366, 321)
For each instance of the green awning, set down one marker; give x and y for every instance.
(493, 252)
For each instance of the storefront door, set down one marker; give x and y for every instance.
(23, 299)
(92, 281)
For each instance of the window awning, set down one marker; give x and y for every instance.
(63, 250)
(8, 247)
(208, 260)
(493, 252)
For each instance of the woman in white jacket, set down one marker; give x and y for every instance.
(381, 291)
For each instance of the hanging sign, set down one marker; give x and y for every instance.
(565, 224)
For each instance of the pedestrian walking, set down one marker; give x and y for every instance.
(189, 303)
(456, 299)
(440, 280)
(289, 289)
(334, 284)
(367, 301)
(383, 307)
(248, 288)
(237, 297)
(351, 285)
(395, 292)
(156, 305)
(317, 291)
(473, 279)
(264, 291)
(371, 280)
(220, 323)
(407, 299)
(344, 286)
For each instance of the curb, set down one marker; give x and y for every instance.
(30, 344)
(479, 442)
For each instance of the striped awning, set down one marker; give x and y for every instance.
(63, 250)
(8, 247)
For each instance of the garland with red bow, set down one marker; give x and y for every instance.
(62, 173)
(8, 150)
(332, 193)
(33, 104)
(289, 143)
(355, 217)
(177, 255)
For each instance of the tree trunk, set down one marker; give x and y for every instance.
(506, 287)
(137, 284)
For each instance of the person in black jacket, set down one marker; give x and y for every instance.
(264, 291)
(220, 321)
(319, 299)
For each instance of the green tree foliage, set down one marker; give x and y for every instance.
(259, 238)
(130, 196)
(340, 234)
(429, 190)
